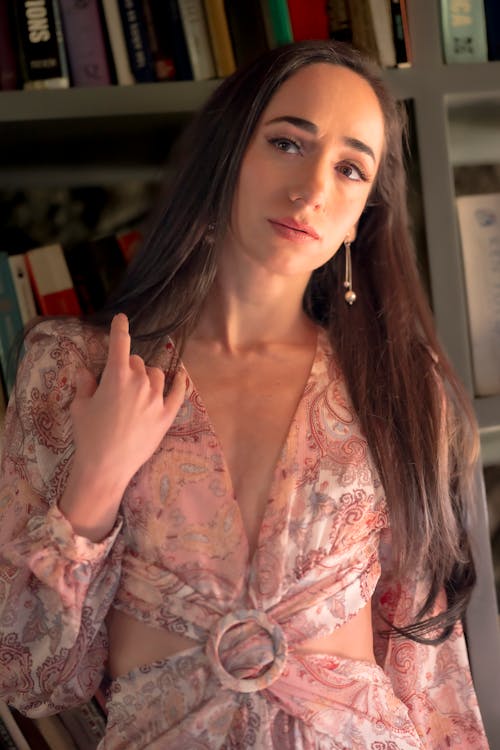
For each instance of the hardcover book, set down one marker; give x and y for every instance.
(42, 54)
(118, 46)
(83, 34)
(8, 60)
(136, 39)
(11, 323)
(22, 286)
(479, 222)
(197, 38)
(222, 46)
(463, 27)
(51, 281)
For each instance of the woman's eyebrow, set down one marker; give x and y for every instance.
(310, 127)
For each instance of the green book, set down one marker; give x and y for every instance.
(280, 27)
(464, 31)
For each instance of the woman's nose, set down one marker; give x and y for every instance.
(311, 184)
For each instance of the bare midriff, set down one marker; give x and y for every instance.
(133, 644)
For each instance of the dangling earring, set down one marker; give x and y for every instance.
(349, 296)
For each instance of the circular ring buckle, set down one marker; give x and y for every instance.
(275, 631)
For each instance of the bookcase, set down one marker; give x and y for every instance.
(107, 135)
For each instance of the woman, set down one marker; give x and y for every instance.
(274, 554)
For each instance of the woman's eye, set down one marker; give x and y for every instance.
(352, 172)
(287, 145)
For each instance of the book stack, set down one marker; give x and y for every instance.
(470, 31)
(61, 43)
(55, 280)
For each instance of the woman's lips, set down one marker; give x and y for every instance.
(292, 230)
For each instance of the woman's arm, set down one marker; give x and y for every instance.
(69, 452)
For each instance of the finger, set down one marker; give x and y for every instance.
(136, 363)
(85, 383)
(156, 378)
(175, 397)
(119, 342)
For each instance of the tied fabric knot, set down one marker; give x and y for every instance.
(247, 650)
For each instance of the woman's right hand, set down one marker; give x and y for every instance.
(117, 426)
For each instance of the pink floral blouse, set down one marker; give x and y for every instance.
(178, 559)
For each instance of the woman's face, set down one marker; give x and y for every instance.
(308, 171)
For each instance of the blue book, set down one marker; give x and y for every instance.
(136, 39)
(11, 323)
(464, 31)
(492, 13)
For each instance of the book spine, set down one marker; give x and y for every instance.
(197, 37)
(363, 35)
(463, 27)
(280, 23)
(154, 16)
(11, 323)
(400, 33)
(222, 45)
(42, 55)
(339, 20)
(308, 22)
(85, 45)
(381, 21)
(20, 743)
(479, 223)
(117, 43)
(175, 30)
(248, 28)
(136, 39)
(8, 61)
(51, 281)
(492, 15)
(24, 292)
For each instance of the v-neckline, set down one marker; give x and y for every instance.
(192, 392)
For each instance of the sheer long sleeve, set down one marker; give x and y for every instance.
(434, 682)
(55, 587)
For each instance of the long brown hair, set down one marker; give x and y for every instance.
(416, 417)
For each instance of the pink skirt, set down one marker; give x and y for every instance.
(321, 702)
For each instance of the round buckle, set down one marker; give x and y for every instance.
(275, 631)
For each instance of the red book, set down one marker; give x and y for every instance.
(309, 20)
(129, 242)
(51, 281)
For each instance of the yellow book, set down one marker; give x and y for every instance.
(222, 45)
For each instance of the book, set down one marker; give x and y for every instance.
(247, 28)
(363, 33)
(492, 18)
(8, 61)
(42, 55)
(175, 31)
(54, 733)
(401, 33)
(22, 286)
(118, 46)
(11, 324)
(129, 241)
(136, 40)
(479, 223)
(11, 736)
(222, 46)
(463, 27)
(339, 20)
(278, 26)
(381, 21)
(51, 281)
(308, 21)
(156, 19)
(85, 45)
(197, 38)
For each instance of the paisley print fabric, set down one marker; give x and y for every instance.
(178, 559)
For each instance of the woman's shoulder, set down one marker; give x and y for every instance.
(64, 341)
